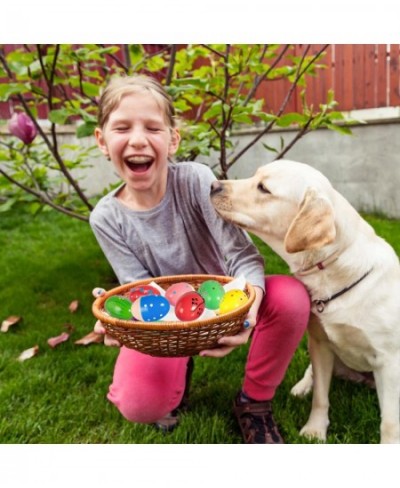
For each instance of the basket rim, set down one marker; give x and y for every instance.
(97, 307)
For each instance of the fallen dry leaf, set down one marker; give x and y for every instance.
(73, 306)
(55, 341)
(28, 353)
(91, 338)
(7, 323)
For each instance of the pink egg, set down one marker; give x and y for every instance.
(141, 291)
(190, 306)
(175, 291)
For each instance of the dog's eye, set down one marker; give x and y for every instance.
(262, 188)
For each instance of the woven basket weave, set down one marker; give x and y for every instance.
(173, 339)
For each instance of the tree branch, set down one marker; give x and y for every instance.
(299, 135)
(171, 65)
(299, 74)
(44, 198)
(260, 78)
(53, 149)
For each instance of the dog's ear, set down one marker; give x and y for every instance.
(314, 225)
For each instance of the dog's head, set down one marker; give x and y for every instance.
(284, 201)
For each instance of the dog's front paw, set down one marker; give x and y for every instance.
(390, 433)
(305, 385)
(302, 388)
(313, 430)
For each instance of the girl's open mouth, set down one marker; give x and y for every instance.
(139, 164)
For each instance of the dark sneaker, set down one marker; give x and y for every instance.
(171, 420)
(256, 422)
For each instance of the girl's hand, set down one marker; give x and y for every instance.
(99, 327)
(108, 340)
(228, 344)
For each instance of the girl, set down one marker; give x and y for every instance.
(160, 221)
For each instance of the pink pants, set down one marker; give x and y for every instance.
(145, 388)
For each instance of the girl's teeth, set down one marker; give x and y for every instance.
(140, 160)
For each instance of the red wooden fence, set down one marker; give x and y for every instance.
(361, 76)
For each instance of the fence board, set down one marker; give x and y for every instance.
(369, 77)
(381, 76)
(394, 82)
(358, 81)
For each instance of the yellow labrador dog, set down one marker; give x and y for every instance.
(352, 275)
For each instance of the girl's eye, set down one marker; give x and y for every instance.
(120, 128)
(154, 129)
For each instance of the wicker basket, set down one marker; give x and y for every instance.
(173, 339)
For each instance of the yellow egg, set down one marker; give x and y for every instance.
(231, 300)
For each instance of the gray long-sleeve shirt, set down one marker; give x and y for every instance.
(183, 234)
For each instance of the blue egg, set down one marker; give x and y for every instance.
(150, 308)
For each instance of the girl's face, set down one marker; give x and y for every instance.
(138, 140)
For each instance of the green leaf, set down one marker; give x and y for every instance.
(8, 204)
(242, 118)
(155, 63)
(90, 89)
(85, 130)
(270, 148)
(289, 119)
(339, 128)
(266, 117)
(35, 207)
(59, 116)
(213, 111)
(9, 89)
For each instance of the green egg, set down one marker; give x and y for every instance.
(212, 291)
(118, 307)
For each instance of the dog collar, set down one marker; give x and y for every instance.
(319, 266)
(320, 304)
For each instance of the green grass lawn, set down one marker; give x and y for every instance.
(59, 396)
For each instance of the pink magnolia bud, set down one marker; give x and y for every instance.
(21, 126)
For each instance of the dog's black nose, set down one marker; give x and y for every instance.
(216, 187)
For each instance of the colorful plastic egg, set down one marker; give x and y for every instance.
(141, 291)
(190, 306)
(150, 308)
(98, 292)
(231, 300)
(118, 307)
(175, 291)
(212, 291)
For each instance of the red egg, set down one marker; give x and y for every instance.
(141, 291)
(175, 291)
(189, 306)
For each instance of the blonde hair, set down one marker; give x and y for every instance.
(120, 86)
